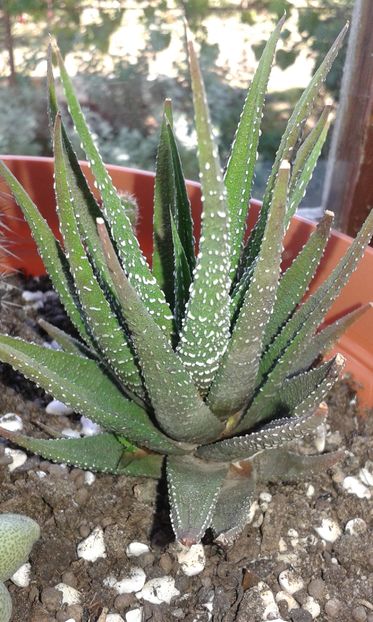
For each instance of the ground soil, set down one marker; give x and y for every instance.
(338, 576)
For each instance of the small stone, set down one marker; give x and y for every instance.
(133, 582)
(288, 598)
(192, 560)
(312, 606)
(310, 491)
(356, 527)
(300, 615)
(159, 590)
(135, 615)
(89, 478)
(70, 433)
(290, 581)
(123, 602)
(135, 549)
(320, 438)
(36, 296)
(70, 596)
(166, 562)
(18, 458)
(329, 530)
(332, 607)
(317, 588)
(75, 612)
(55, 407)
(11, 422)
(51, 599)
(88, 427)
(266, 497)
(114, 617)
(21, 578)
(69, 578)
(92, 547)
(355, 487)
(366, 473)
(359, 614)
(81, 496)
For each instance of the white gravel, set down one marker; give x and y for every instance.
(28, 296)
(312, 606)
(89, 478)
(288, 598)
(135, 615)
(159, 590)
(18, 458)
(21, 578)
(329, 530)
(135, 549)
(55, 407)
(89, 428)
(11, 422)
(114, 617)
(133, 582)
(290, 581)
(355, 487)
(70, 596)
(366, 473)
(93, 546)
(356, 527)
(191, 559)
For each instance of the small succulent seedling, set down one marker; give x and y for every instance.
(18, 534)
(209, 360)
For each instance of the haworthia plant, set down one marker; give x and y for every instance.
(18, 534)
(209, 362)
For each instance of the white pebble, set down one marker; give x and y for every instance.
(28, 296)
(159, 590)
(252, 511)
(356, 527)
(366, 474)
(288, 598)
(268, 600)
(92, 547)
(329, 530)
(320, 438)
(21, 578)
(192, 560)
(133, 582)
(312, 606)
(70, 596)
(355, 487)
(114, 617)
(55, 407)
(282, 546)
(290, 581)
(11, 422)
(310, 491)
(19, 457)
(89, 478)
(135, 615)
(41, 474)
(89, 428)
(135, 549)
(70, 433)
(266, 497)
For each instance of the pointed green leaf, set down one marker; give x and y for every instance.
(65, 341)
(182, 276)
(179, 409)
(205, 330)
(288, 143)
(295, 281)
(285, 466)
(105, 328)
(278, 433)
(240, 168)
(240, 362)
(296, 335)
(233, 505)
(305, 162)
(129, 251)
(327, 338)
(302, 391)
(193, 488)
(49, 249)
(103, 453)
(80, 384)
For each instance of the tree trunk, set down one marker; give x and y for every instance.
(9, 46)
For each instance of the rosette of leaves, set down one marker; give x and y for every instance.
(206, 362)
(18, 534)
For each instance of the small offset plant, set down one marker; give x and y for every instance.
(209, 362)
(18, 534)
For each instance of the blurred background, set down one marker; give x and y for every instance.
(126, 56)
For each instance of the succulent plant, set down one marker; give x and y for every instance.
(18, 534)
(209, 361)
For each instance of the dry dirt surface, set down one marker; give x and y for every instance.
(306, 555)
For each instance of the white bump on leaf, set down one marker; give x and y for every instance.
(135, 549)
(329, 530)
(159, 590)
(191, 559)
(92, 547)
(70, 596)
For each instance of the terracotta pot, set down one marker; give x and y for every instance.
(36, 175)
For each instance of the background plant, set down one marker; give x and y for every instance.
(207, 359)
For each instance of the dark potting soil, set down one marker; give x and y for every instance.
(332, 571)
